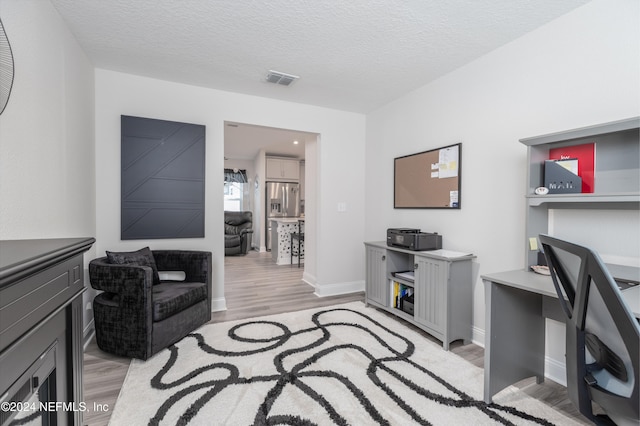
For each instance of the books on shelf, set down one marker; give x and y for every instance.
(400, 291)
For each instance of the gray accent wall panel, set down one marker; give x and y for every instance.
(162, 185)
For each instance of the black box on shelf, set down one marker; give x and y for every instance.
(406, 304)
(560, 180)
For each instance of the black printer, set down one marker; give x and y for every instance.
(413, 239)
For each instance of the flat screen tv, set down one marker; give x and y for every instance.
(429, 179)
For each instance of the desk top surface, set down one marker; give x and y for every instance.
(543, 284)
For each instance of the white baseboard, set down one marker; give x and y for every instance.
(338, 288)
(219, 304)
(555, 370)
(309, 279)
(477, 336)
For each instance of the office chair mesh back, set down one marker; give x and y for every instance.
(603, 336)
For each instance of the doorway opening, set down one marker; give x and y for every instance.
(260, 156)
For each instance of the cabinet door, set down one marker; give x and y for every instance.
(431, 280)
(290, 169)
(377, 284)
(274, 168)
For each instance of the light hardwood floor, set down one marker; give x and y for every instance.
(255, 286)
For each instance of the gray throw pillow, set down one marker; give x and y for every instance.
(142, 257)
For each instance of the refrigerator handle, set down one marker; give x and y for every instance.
(285, 197)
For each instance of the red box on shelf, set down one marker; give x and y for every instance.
(585, 154)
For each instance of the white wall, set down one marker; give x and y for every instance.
(339, 262)
(311, 207)
(46, 131)
(259, 165)
(581, 69)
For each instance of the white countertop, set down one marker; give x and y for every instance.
(285, 219)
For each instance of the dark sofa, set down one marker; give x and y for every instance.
(137, 315)
(238, 231)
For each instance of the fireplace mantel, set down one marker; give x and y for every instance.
(41, 286)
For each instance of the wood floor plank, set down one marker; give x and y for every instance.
(256, 286)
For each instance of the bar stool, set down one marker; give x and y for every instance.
(297, 242)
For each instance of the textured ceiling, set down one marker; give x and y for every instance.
(353, 55)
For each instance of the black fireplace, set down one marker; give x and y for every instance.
(41, 286)
(32, 399)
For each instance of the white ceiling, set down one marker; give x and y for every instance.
(353, 55)
(243, 141)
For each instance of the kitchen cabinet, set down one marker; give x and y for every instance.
(282, 169)
(438, 283)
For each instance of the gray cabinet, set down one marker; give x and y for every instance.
(616, 174)
(376, 275)
(440, 282)
(431, 282)
(282, 169)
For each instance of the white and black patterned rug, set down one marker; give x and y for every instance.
(344, 365)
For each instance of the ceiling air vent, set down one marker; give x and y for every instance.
(281, 78)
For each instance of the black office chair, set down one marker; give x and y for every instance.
(603, 336)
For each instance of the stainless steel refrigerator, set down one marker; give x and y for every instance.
(282, 200)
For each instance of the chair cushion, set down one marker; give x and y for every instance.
(142, 257)
(237, 222)
(238, 218)
(170, 297)
(231, 241)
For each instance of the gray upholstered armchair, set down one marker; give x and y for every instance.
(238, 231)
(137, 315)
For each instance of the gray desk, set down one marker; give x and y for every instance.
(517, 303)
